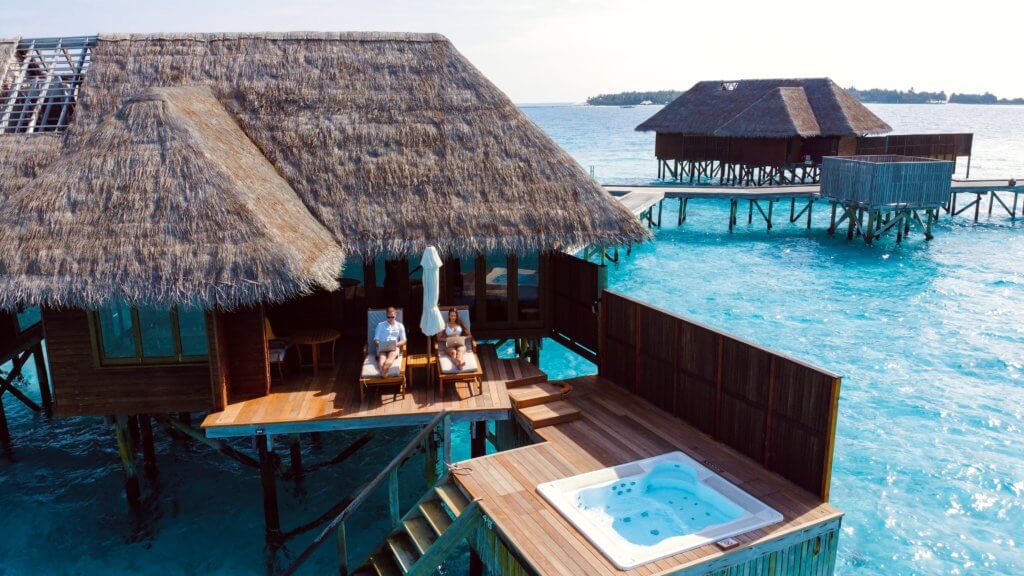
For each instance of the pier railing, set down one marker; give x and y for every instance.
(336, 527)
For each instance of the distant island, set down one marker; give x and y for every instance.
(868, 96)
(634, 98)
(883, 96)
(985, 98)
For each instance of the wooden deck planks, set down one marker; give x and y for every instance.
(615, 427)
(307, 403)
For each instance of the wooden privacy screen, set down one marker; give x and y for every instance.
(575, 289)
(776, 410)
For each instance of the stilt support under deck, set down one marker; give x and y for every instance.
(43, 377)
(478, 442)
(148, 447)
(126, 451)
(6, 447)
(268, 482)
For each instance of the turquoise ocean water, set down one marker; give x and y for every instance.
(929, 337)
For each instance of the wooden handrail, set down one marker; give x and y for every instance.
(449, 541)
(364, 493)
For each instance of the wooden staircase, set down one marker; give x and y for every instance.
(430, 532)
(542, 403)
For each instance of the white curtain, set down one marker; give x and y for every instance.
(432, 321)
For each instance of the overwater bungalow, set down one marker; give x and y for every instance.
(769, 132)
(190, 220)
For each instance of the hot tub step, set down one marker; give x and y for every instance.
(556, 412)
(534, 394)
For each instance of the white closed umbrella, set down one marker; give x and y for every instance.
(432, 321)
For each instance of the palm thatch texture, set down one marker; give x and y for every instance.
(165, 202)
(784, 108)
(394, 141)
(23, 157)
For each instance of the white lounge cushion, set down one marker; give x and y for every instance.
(370, 369)
(448, 367)
(276, 355)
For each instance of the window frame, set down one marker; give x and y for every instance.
(140, 359)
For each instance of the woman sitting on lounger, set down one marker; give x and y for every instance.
(453, 338)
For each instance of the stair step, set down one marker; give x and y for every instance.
(453, 498)
(526, 381)
(556, 412)
(420, 532)
(384, 565)
(404, 551)
(438, 519)
(534, 394)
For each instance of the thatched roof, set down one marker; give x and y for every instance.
(166, 202)
(393, 141)
(22, 156)
(803, 107)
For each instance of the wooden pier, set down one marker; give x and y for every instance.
(763, 421)
(646, 201)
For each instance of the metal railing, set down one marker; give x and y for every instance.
(389, 473)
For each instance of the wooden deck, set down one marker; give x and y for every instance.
(640, 201)
(616, 427)
(330, 401)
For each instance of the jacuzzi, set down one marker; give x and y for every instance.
(649, 509)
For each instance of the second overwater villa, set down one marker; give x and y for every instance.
(280, 236)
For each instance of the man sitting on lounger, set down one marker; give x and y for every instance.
(388, 338)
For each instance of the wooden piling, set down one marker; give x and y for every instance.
(6, 446)
(126, 452)
(43, 378)
(295, 457)
(430, 459)
(148, 448)
(478, 439)
(268, 484)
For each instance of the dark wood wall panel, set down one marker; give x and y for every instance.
(245, 353)
(618, 340)
(575, 289)
(80, 388)
(777, 411)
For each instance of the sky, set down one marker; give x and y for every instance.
(567, 50)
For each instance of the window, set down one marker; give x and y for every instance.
(496, 285)
(123, 335)
(463, 281)
(528, 287)
(29, 317)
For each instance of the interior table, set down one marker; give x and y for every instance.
(314, 338)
